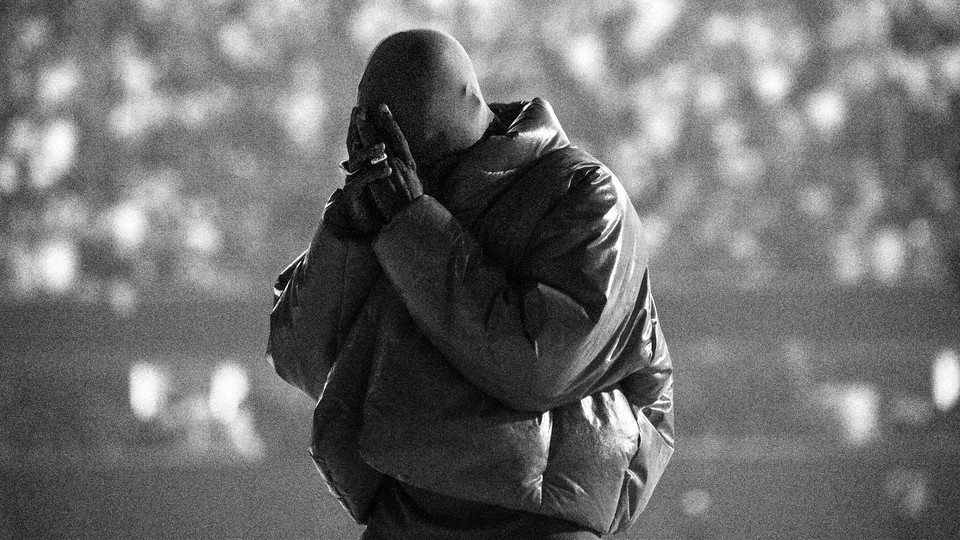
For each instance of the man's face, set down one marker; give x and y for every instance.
(423, 128)
(427, 80)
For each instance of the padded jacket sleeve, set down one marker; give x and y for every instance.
(548, 332)
(316, 300)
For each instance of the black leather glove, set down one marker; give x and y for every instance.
(351, 211)
(402, 186)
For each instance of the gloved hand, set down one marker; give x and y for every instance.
(351, 211)
(402, 186)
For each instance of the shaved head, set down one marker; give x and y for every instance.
(428, 81)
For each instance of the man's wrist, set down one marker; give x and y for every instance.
(401, 208)
(403, 212)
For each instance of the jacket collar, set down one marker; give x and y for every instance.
(533, 131)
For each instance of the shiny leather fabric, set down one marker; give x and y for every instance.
(497, 343)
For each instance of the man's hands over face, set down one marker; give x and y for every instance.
(402, 186)
(381, 176)
(351, 212)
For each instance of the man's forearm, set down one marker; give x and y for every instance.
(323, 293)
(521, 342)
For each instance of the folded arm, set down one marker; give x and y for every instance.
(546, 334)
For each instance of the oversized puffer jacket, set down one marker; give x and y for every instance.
(497, 343)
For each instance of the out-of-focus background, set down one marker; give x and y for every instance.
(795, 163)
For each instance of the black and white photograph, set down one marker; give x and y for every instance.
(480, 269)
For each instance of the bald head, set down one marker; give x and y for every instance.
(428, 81)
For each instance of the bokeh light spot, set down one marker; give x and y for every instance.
(945, 374)
(58, 265)
(228, 389)
(53, 156)
(147, 388)
(129, 225)
(826, 110)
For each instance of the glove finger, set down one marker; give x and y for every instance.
(370, 173)
(358, 211)
(356, 186)
(400, 179)
(353, 135)
(352, 199)
(384, 195)
(394, 136)
(369, 134)
(412, 186)
(413, 181)
(365, 156)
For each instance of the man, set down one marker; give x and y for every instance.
(474, 318)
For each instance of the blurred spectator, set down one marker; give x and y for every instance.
(143, 156)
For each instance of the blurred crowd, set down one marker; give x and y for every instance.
(162, 153)
(161, 150)
(152, 149)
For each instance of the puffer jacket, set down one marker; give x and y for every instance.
(497, 343)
